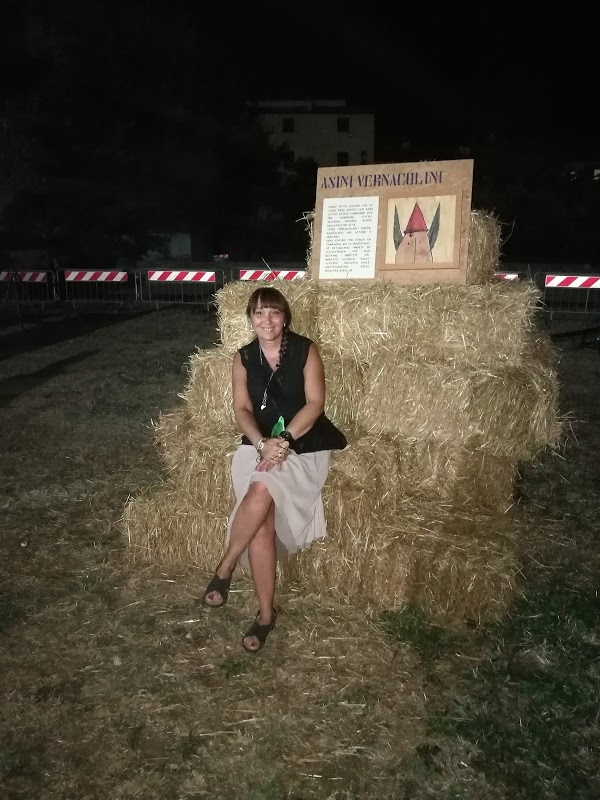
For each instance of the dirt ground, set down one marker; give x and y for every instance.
(117, 683)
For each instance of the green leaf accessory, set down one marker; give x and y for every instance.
(278, 428)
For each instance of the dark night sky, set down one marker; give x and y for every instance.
(519, 89)
(457, 75)
(447, 73)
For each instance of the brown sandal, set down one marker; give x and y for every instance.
(260, 632)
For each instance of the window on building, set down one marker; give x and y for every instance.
(363, 157)
(343, 125)
(287, 125)
(343, 159)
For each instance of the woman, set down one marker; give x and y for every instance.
(280, 468)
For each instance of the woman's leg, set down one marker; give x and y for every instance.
(250, 516)
(262, 555)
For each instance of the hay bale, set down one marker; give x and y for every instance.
(179, 435)
(206, 420)
(309, 219)
(388, 526)
(515, 412)
(416, 402)
(453, 563)
(232, 299)
(340, 563)
(484, 481)
(458, 392)
(467, 477)
(171, 433)
(483, 257)
(470, 325)
(369, 463)
(198, 458)
(169, 528)
(208, 394)
(467, 567)
(393, 471)
(344, 384)
(509, 411)
(380, 544)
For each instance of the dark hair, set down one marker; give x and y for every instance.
(269, 298)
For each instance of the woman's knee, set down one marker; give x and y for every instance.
(258, 491)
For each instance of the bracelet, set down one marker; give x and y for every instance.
(287, 436)
(261, 444)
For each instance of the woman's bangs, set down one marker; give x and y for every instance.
(268, 298)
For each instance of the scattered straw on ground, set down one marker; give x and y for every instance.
(116, 683)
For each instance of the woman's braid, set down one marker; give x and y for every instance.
(283, 346)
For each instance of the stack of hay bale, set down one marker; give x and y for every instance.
(442, 392)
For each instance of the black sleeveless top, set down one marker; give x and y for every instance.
(285, 392)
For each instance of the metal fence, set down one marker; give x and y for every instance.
(195, 283)
(169, 286)
(34, 287)
(570, 295)
(96, 286)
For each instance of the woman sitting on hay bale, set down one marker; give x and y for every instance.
(280, 468)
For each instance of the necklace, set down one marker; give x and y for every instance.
(263, 405)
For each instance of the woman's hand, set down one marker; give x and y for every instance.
(273, 453)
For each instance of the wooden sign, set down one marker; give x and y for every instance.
(406, 223)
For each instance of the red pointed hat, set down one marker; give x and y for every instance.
(416, 223)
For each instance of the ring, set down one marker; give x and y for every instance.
(280, 453)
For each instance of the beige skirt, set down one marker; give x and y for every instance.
(296, 491)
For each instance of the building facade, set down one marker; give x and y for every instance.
(326, 131)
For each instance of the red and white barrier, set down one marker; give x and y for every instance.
(178, 276)
(33, 277)
(572, 281)
(271, 274)
(95, 276)
(507, 276)
(39, 276)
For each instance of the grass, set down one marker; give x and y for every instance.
(528, 711)
(531, 709)
(411, 626)
(117, 683)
